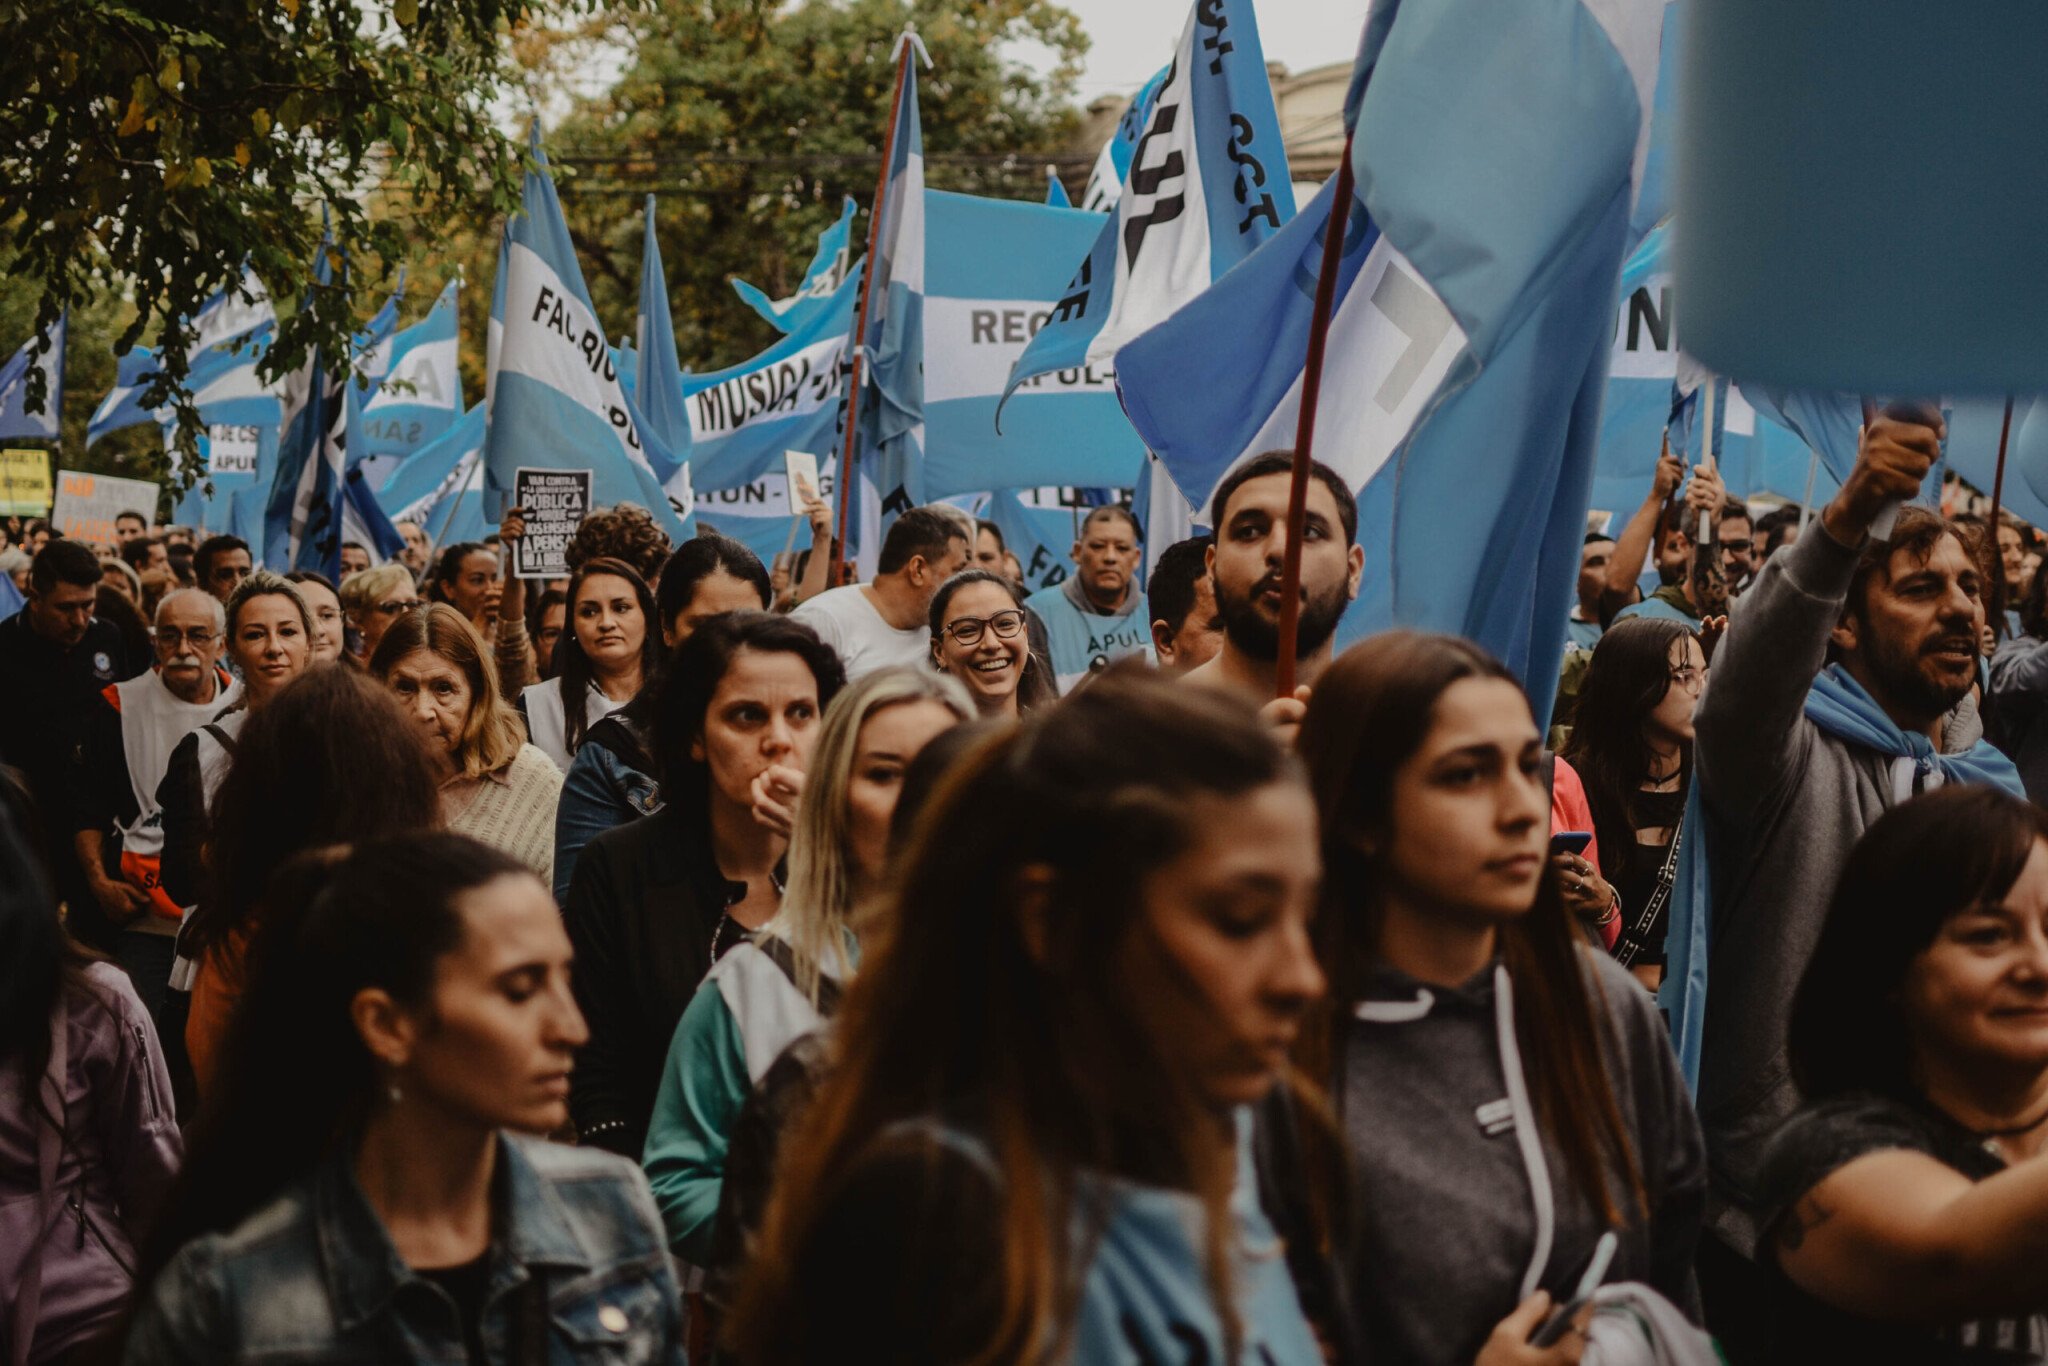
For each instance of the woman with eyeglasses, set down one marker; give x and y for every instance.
(373, 599)
(1631, 744)
(981, 636)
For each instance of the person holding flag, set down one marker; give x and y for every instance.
(1245, 562)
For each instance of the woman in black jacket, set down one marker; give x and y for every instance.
(655, 902)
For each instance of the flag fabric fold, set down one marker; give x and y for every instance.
(410, 391)
(821, 282)
(555, 399)
(658, 382)
(45, 424)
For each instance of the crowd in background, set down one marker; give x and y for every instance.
(686, 959)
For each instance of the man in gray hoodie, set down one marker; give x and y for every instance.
(1796, 758)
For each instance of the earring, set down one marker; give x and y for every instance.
(393, 1092)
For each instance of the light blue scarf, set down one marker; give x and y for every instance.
(1837, 704)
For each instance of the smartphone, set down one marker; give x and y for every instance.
(1596, 1273)
(1570, 842)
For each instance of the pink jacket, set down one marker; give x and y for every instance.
(118, 1154)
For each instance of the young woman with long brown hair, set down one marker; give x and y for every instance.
(1033, 1142)
(1507, 1092)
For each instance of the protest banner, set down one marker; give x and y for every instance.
(87, 504)
(555, 502)
(24, 483)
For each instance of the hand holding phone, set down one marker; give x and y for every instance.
(1596, 1273)
(1570, 842)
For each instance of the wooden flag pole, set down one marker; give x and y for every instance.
(847, 481)
(1998, 583)
(1305, 425)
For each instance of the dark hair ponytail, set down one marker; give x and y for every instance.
(295, 1078)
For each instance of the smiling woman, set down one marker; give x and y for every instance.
(1904, 1204)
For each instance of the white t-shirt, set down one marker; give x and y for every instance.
(846, 620)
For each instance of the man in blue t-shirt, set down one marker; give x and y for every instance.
(1097, 614)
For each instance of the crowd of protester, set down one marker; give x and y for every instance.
(690, 960)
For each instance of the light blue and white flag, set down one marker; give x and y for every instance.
(760, 515)
(410, 392)
(555, 397)
(302, 515)
(658, 383)
(242, 324)
(1830, 424)
(890, 441)
(995, 271)
(788, 398)
(829, 268)
(1055, 191)
(1469, 346)
(1207, 183)
(448, 470)
(45, 424)
(1113, 162)
(363, 520)
(1642, 366)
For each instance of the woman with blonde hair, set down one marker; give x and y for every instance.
(495, 787)
(784, 982)
(374, 598)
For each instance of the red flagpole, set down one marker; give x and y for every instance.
(840, 567)
(1305, 426)
(1998, 583)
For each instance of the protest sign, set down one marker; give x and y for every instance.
(555, 501)
(24, 483)
(801, 469)
(87, 504)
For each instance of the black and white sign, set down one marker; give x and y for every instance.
(555, 502)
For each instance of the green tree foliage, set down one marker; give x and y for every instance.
(153, 147)
(752, 120)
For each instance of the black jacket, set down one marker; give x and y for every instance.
(643, 909)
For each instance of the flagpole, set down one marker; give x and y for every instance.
(1998, 584)
(1305, 425)
(847, 473)
(1888, 515)
(1707, 457)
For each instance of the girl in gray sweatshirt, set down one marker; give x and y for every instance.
(1508, 1094)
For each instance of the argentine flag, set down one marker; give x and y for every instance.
(1113, 162)
(1497, 151)
(889, 453)
(15, 418)
(658, 385)
(787, 398)
(411, 391)
(440, 490)
(554, 395)
(1207, 183)
(302, 517)
(828, 270)
(995, 272)
(240, 324)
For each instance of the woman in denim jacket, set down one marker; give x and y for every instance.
(612, 778)
(361, 1186)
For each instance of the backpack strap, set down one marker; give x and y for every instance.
(220, 737)
(782, 956)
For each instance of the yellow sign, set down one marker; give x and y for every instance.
(24, 483)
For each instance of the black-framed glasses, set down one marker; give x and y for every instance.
(173, 637)
(395, 606)
(967, 630)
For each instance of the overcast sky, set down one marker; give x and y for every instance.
(1134, 38)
